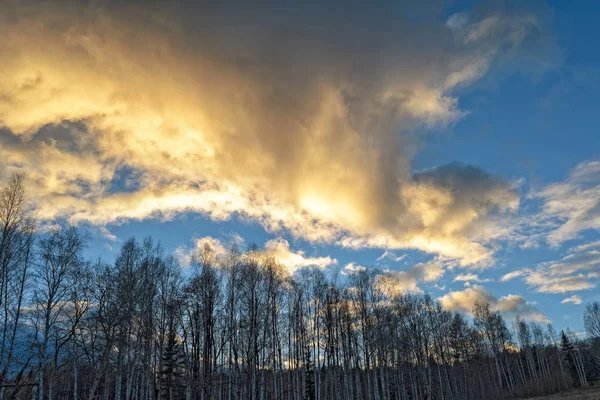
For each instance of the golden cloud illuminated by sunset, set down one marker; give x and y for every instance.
(154, 117)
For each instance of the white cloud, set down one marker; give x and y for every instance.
(575, 299)
(104, 232)
(280, 250)
(352, 268)
(184, 254)
(512, 275)
(469, 277)
(572, 206)
(576, 271)
(407, 280)
(390, 255)
(510, 306)
(457, 20)
(546, 282)
(237, 239)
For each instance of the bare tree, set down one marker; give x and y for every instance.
(56, 272)
(591, 319)
(17, 226)
(240, 326)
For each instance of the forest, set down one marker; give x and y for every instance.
(241, 327)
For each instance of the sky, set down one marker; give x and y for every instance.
(452, 145)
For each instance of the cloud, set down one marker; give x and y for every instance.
(352, 268)
(548, 283)
(237, 239)
(510, 306)
(573, 206)
(469, 277)
(513, 305)
(407, 280)
(280, 250)
(126, 113)
(446, 208)
(513, 275)
(103, 232)
(185, 254)
(390, 255)
(578, 270)
(575, 299)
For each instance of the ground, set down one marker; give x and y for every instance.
(589, 393)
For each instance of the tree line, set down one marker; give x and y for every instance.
(239, 326)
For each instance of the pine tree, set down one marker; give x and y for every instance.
(568, 357)
(172, 364)
(310, 379)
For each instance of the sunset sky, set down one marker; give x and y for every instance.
(455, 145)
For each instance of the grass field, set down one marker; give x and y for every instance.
(588, 393)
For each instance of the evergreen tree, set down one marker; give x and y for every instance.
(568, 356)
(310, 378)
(172, 364)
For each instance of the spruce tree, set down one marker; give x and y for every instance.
(310, 381)
(568, 357)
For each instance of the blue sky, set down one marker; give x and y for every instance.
(454, 145)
